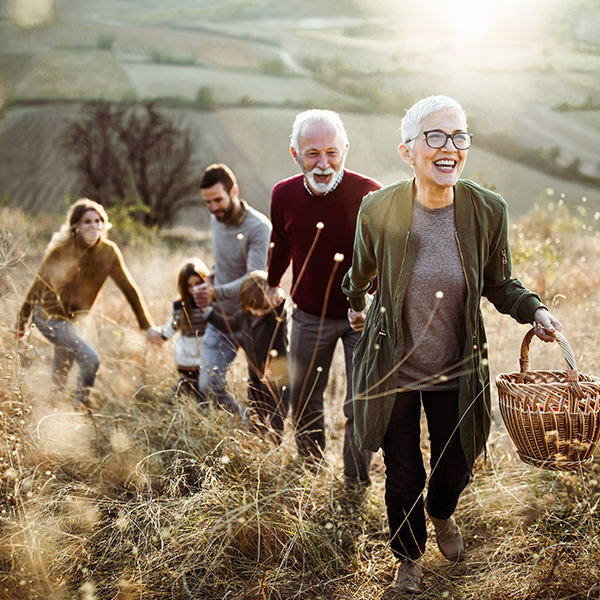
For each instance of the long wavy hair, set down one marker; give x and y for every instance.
(66, 233)
(193, 266)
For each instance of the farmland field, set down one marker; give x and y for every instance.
(151, 497)
(511, 89)
(152, 81)
(83, 74)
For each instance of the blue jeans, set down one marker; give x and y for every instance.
(405, 472)
(218, 352)
(69, 347)
(312, 345)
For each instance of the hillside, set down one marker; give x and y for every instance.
(264, 61)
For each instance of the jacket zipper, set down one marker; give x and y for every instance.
(399, 277)
(473, 335)
(394, 326)
(504, 263)
(462, 262)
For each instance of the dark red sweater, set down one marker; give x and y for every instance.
(295, 214)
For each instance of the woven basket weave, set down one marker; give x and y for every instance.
(553, 417)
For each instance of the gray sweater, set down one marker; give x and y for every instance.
(434, 328)
(238, 249)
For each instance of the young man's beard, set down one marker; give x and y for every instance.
(227, 212)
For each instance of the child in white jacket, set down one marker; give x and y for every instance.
(187, 320)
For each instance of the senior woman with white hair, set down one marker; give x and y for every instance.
(436, 245)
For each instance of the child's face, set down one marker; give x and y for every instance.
(192, 282)
(261, 313)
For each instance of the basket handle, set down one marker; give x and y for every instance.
(571, 371)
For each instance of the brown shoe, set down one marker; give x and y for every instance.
(449, 538)
(408, 577)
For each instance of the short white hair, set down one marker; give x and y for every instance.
(311, 117)
(412, 123)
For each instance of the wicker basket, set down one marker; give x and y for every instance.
(553, 417)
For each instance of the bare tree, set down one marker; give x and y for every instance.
(127, 153)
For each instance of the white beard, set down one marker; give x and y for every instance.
(323, 188)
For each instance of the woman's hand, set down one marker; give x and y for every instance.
(544, 325)
(154, 336)
(357, 319)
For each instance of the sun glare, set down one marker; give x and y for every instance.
(472, 21)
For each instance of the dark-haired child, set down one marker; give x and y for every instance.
(187, 320)
(265, 342)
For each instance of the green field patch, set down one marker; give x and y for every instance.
(80, 74)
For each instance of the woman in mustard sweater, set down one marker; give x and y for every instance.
(78, 261)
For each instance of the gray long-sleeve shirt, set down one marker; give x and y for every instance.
(238, 249)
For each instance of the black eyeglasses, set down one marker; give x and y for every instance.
(437, 139)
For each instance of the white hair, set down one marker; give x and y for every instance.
(412, 123)
(311, 117)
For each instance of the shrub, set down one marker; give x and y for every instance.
(205, 98)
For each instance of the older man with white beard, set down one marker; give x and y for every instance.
(314, 219)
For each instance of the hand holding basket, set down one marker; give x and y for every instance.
(552, 417)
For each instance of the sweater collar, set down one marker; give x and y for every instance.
(407, 193)
(339, 180)
(241, 215)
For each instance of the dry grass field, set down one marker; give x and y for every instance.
(140, 498)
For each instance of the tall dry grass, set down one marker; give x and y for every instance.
(142, 498)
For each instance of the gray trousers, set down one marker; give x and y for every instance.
(312, 345)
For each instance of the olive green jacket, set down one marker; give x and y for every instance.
(384, 248)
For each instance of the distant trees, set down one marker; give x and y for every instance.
(133, 155)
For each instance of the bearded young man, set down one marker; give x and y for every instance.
(314, 219)
(240, 239)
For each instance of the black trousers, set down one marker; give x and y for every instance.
(405, 471)
(269, 404)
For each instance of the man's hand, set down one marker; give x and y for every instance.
(544, 324)
(275, 296)
(203, 294)
(357, 319)
(154, 336)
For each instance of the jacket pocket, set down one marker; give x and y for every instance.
(370, 380)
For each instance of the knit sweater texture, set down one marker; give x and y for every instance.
(71, 277)
(296, 215)
(238, 249)
(432, 323)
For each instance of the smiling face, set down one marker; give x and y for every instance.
(89, 228)
(222, 205)
(437, 170)
(321, 155)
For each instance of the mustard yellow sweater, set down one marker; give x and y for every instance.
(71, 277)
